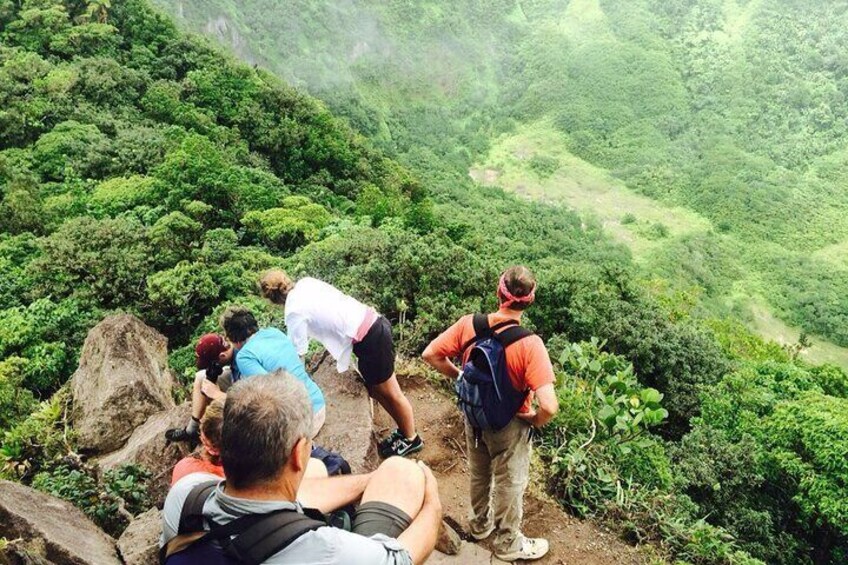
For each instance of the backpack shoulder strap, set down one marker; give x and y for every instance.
(481, 329)
(270, 535)
(511, 335)
(190, 528)
(481, 324)
(191, 515)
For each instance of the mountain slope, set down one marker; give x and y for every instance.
(734, 110)
(142, 170)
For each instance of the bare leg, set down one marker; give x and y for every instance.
(398, 482)
(392, 399)
(315, 469)
(198, 399)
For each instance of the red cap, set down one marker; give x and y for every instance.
(209, 347)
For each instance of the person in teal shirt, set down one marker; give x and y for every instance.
(259, 352)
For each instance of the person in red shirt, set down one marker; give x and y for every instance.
(499, 461)
(208, 458)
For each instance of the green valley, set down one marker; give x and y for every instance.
(668, 242)
(674, 173)
(731, 110)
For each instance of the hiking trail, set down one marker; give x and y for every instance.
(572, 541)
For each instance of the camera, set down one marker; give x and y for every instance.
(213, 371)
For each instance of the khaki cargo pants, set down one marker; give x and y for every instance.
(499, 465)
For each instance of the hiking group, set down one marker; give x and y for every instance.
(258, 490)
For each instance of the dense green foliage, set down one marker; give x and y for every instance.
(143, 171)
(110, 500)
(734, 109)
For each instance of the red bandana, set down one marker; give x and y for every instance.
(509, 298)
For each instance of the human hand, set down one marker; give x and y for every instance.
(529, 416)
(211, 390)
(431, 488)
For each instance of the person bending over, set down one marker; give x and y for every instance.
(343, 325)
(265, 446)
(259, 352)
(499, 461)
(213, 358)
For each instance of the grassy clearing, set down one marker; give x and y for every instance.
(533, 162)
(629, 217)
(764, 322)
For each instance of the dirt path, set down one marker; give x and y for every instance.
(573, 541)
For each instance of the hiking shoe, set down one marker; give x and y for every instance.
(482, 535)
(402, 446)
(181, 434)
(531, 548)
(386, 443)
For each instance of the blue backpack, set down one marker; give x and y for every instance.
(485, 393)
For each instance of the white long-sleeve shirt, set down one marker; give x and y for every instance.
(317, 310)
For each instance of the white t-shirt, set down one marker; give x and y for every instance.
(317, 310)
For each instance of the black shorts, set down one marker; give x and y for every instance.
(376, 353)
(380, 518)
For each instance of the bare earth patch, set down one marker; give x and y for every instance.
(439, 422)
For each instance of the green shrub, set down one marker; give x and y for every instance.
(119, 194)
(297, 222)
(16, 402)
(617, 413)
(110, 501)
(43, 436)
(181, 296)
(543, 165)
(72, 149)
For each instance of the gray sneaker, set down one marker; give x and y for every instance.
(531, 548)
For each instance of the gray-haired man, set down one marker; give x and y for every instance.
(265, 447)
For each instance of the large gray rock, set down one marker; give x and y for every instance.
(139, 544)
(147, 447)
(123, 379)
(64, 534)
(347, 429)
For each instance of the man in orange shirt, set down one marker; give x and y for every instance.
(499, 461)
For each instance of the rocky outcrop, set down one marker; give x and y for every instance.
(53, 530)
(448, 541)
(147, 447)
(139, 544)
(122, 380)
(347, 429)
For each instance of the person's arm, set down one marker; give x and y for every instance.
(419, 538)
(548, 405)
(439, 352)
(331, 493)
(248, 364)
(540, 377)
(211, 390)
(440, 362)
(298, 332)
